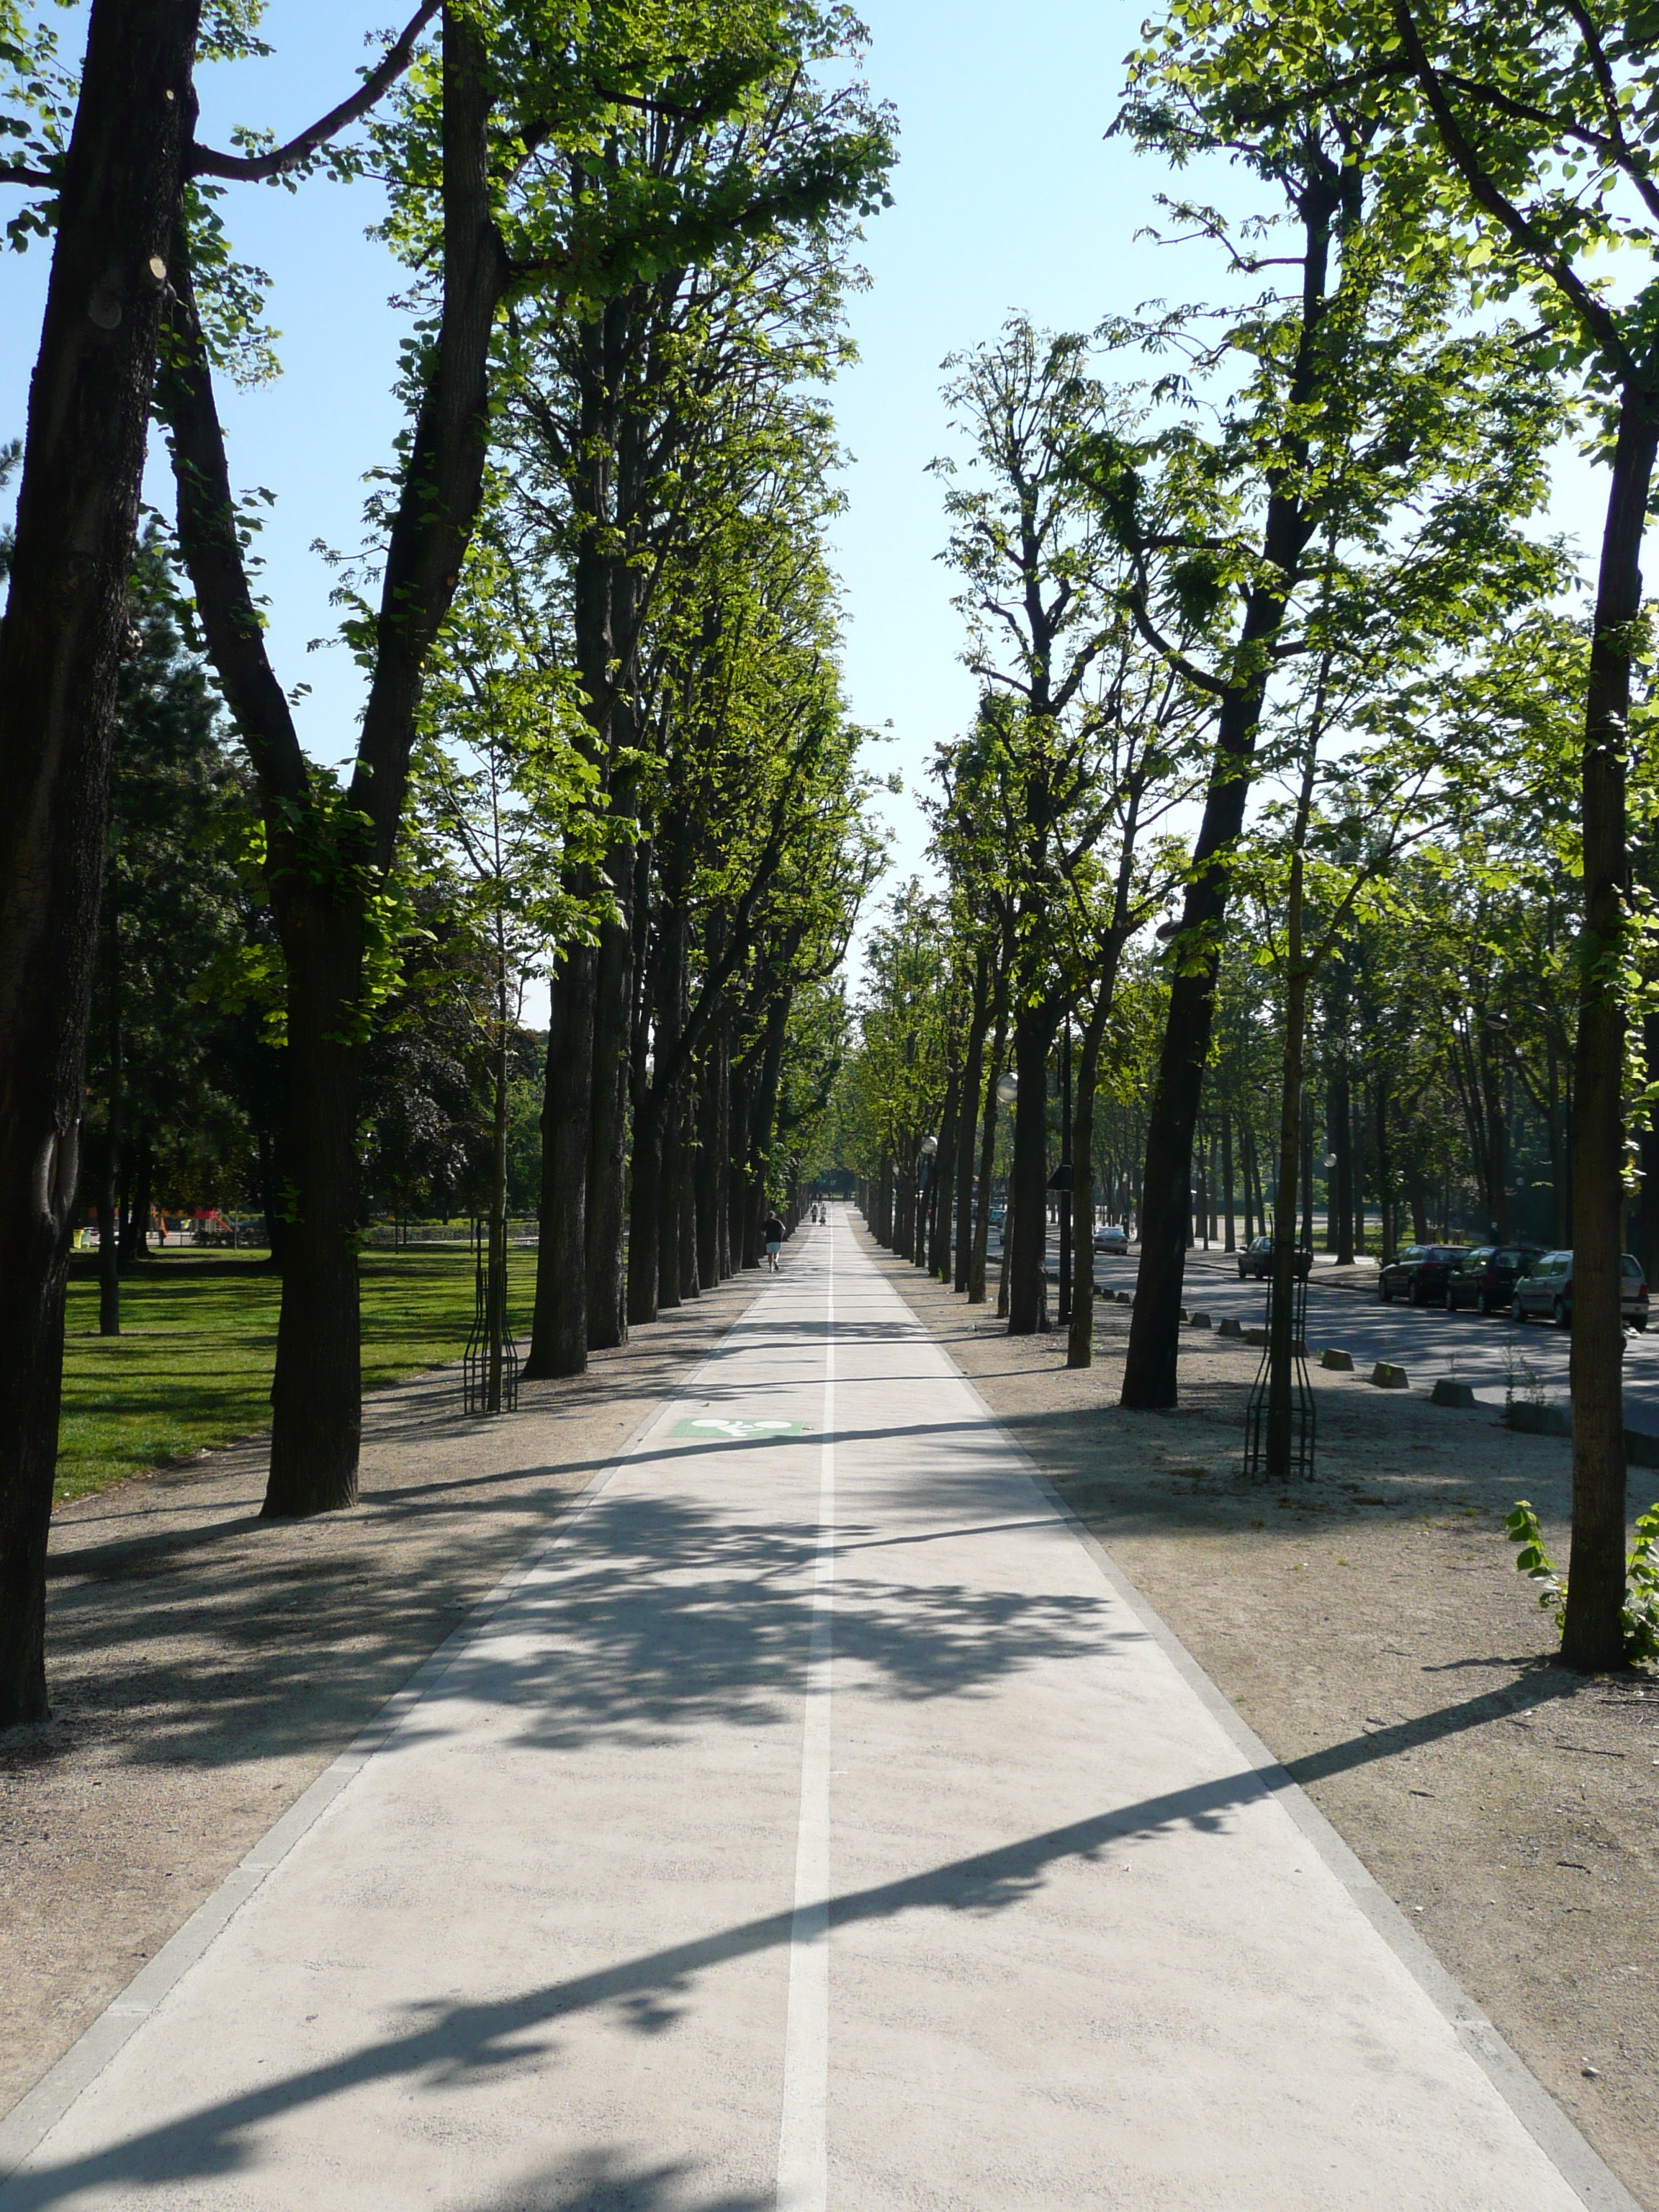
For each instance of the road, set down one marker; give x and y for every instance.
(1428, 1342)
(813, 1821)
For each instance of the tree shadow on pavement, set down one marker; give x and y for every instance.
(442, 2043)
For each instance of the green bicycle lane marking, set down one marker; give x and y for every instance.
(708, 1424)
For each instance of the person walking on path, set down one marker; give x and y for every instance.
(772, 1237)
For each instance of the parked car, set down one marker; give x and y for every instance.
(1547, 1288)
(1420, 1272)
(1486, 1275)
(1112, 1238)
(1257, 1259)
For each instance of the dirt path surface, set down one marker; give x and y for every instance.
(205, 1667)
(1370, 1627)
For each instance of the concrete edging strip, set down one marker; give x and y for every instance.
(39, 2109)
(1586, 2174)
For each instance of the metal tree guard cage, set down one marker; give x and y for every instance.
(1302, 1421)
(489, 1328)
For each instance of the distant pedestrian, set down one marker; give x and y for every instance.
(772, 1237)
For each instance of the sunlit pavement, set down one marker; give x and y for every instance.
(813, 1819)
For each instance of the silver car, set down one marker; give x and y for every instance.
(1546, 1289)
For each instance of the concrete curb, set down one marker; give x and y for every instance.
(39, 2109)
(1586, 2174)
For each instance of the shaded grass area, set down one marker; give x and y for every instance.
(192, 1367)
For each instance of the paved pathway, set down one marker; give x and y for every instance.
(811, 1821)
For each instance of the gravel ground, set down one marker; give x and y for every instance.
(1370, 1626)
(205, 1667)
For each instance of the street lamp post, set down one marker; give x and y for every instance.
(927, 1180)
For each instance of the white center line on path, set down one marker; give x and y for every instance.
(803, 2166)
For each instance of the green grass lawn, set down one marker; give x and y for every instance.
(192, 1367)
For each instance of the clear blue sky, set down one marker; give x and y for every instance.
(1008, 197)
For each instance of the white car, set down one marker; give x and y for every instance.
(1114, 1239)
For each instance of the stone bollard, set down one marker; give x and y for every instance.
(1539, 1421)
(1338, 1362)
(1387, 1376)
(1229, 1326)
(1198, 1320)
(1447, 1392)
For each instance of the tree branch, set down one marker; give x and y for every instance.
(255, 169)
(1596, 318)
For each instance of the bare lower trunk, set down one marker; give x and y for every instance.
(1080, 1339)
(109, 1253)
(945, 1173)
(987, 1147)
(1593, 1636)
(645, 1212)
(1279, 1351)
(1027, 1279)
(498, 1214)
(967, 1120)
(558, 1338)
(59, 647)
(316, 1394)
(607, 1153)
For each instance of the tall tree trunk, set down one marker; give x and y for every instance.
(1340, 1109)
(1080, 1339)
(691, 1274)
(1231, 1244)
(725, 1257)
(1292, 1123)
(988, 1151)
(60, 643)
(1028, 1287)
(109, 1253)
(645, 1208)
(904, 1208)
(1593, 1637)
(1497, 1162)
(607, 1144)
(316, 1394)
(944, 1170)
(141, 1201)
(707, 1177)
(497, 1277)
(1647, 1219)
(558, 1332)
(972, 1078)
